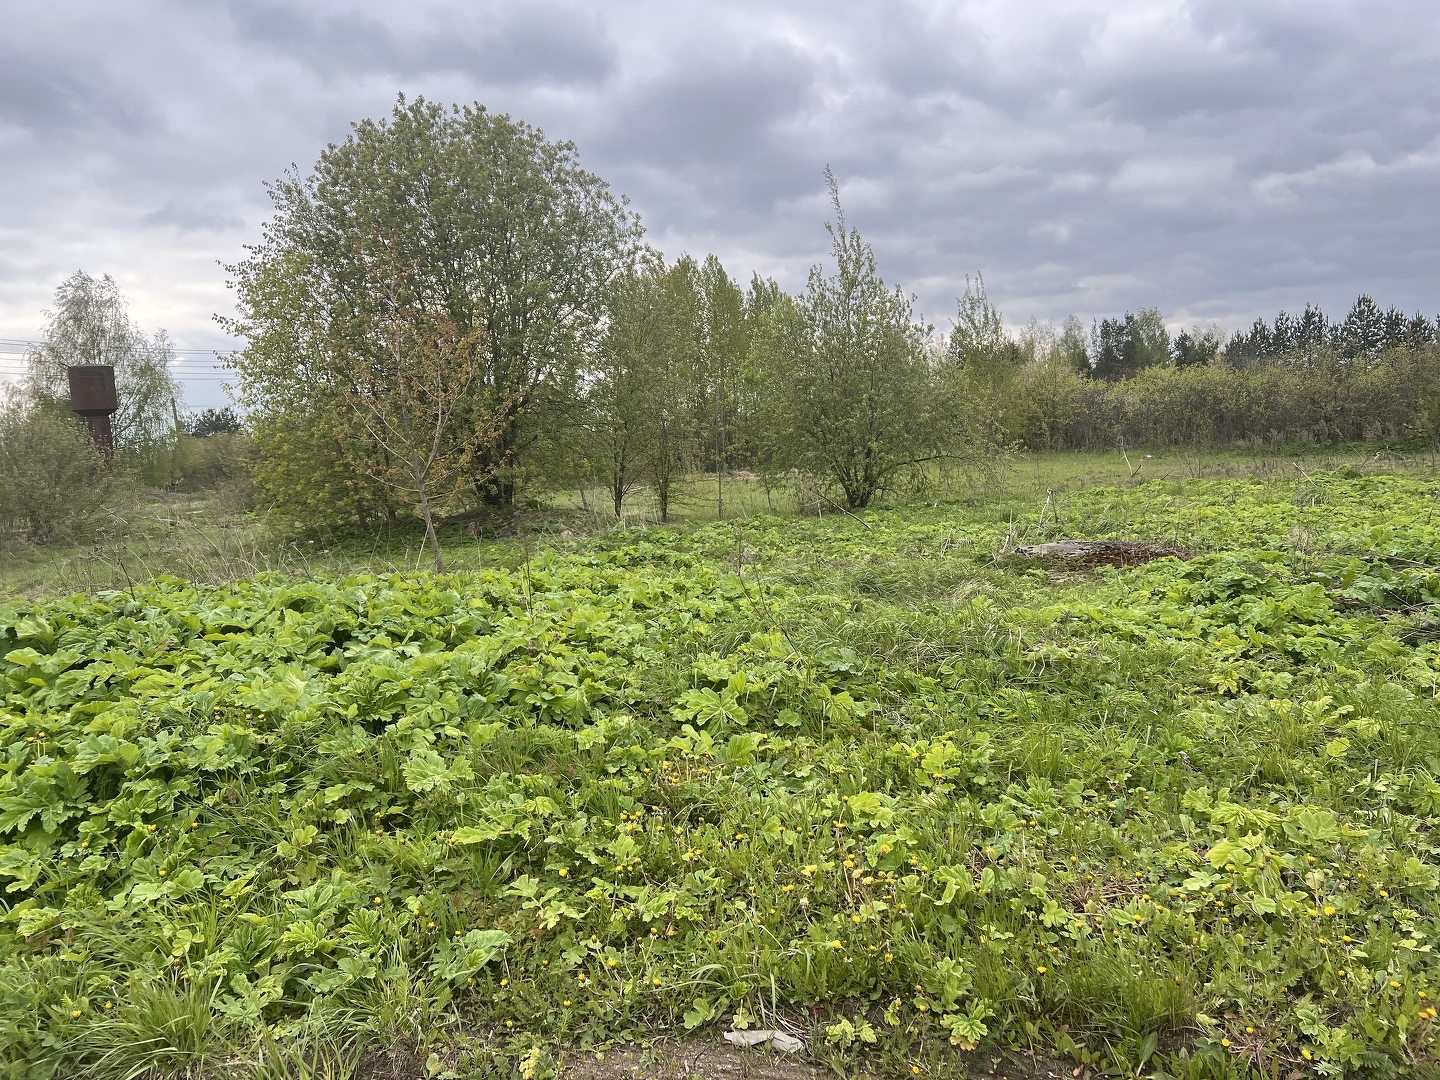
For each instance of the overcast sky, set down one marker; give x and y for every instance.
(1219, 160)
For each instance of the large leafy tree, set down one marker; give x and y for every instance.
(862, 399)
(90, 324)
(496, 225)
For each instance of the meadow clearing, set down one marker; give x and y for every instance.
(871, 778)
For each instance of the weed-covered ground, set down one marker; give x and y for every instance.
(854, 777)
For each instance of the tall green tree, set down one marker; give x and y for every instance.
(671, 436)
(722, 339)
(496, 224)
(861, 395)
(982, 367)
(776, 335)
(978, 335)
(623, 391)
(1073, 346)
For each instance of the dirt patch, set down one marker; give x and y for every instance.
(400, 1063)
(706, 1060)
(700, 1059)
(990, 1067)
(1082, 554)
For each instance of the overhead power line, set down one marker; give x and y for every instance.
(25, 343)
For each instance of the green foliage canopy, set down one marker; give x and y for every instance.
(498, 225)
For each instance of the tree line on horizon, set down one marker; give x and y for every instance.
(450, 315)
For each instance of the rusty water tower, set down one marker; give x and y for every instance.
(92, 395)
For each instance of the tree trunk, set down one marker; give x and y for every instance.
(429, 522)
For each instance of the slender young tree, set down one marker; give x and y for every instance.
(404, 371)
(722, 349)
(622, 391)
(671, 443)
(861, 390)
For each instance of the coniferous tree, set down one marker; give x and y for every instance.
(1362, 334)
(1419, 332)
(1112, 346)
(1196, 347)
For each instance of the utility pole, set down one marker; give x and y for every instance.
(175, 454)
(719, 452)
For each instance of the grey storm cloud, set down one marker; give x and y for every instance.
(1218, 159)
(531, 45)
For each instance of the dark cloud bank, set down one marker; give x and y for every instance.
(1221, 160)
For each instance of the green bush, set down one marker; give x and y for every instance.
(211, 462)
(53, 482)
(1324, 397)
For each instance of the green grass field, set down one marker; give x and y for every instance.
(211, 536)
(865, 777)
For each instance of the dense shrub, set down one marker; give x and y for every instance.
(218, 461)
(1323, 396)
(53, 482)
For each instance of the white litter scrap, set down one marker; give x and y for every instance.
(779, 1040)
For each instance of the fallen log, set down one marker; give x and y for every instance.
(1078, 554)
